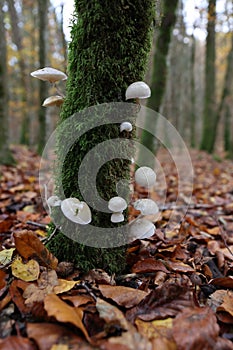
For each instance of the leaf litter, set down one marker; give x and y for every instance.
(177, 291)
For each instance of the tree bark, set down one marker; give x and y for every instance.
(109, 48)
(209, 116)
(43, 88)
(5, 153)
(17, 39)
(159, 73)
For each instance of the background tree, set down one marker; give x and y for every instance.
(43, 52)
(159, 72)
(5, 153)
(209, 116)
(109, 49)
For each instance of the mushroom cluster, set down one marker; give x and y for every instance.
(51, 75)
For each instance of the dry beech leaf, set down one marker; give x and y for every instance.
(16, 343)
(64, 286)
(45, 285)
(225, 282)
(28, 245)
(78, 300)
(16, 288)
(26, 272)
(111, 314)
(47, 334)
(196, 329)
(179, 267)
(227, 304)
(2, 279)
(6, 256)
(123, 296)
(149, 265)
(64, 313)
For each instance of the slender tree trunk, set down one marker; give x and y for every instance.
(5, 153)
(17, 39)
(209, 116)
(159, 73)
(43, 88)
(193, 93)
(109, 48)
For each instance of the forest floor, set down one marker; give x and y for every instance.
(176, 294)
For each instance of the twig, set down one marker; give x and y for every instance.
(47, 239)
(83, 284)
(36, 224)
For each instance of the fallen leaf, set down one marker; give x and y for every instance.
(2, 279)
(26, 272)
(64, 313)
(28, 245)
(179, 266)
(16, 343)
(123, 296)
(225, 282)
(64, 286)
(195, 329)
(46, 335)
(148, 265)
(227, 304)
(78, 300)
(15, 291)
(6, 256)
(111, 314)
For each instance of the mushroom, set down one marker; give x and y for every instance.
(146, 206)
(76, 211)
(137, 90)
(141, 229)
(54, 201)
(53, 101)
(49, 74)
(117, 205)
(145, 177)
(126, 126)
(117, 217)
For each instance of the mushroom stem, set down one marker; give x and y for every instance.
(58, 90)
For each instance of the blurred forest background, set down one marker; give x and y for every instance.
(190, 70)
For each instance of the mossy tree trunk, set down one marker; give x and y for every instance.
(209, 116)
(5, 153)
(109, 48)
(159, 74)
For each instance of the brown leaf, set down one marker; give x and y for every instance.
(16, 295)
(2, 279)
(225, 282)
(196, 329)
(227, 304)
(28, 245)
(64, 313)
(78, 300)
(148, 265)
(179, 267)
(47, 334)
(16, 343)
(111, 314)
(165, 301)
(123, 296)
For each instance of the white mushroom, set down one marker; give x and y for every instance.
(145, 177)
(117, 217)
(117, 204)
(54, 201)
(141, 229)
(49, 74)
(137, 90)
(76, 211)
(146, 206)
(53, 101)
(126, 126)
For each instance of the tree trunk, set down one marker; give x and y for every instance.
(159, 73)
(193, 93)
(5, 153)
(209, 117)
(109, 48)
(43, 88)
(17, 39)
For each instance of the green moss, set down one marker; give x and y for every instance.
(109, 48)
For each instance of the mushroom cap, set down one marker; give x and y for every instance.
(141, 229)
(76, 211)
(117, 204)
(127, 126)
(139, 89)
(146, 206)
(49, 74)
(53, 101)
(117, 217)
(54, 201)
(145, 177)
